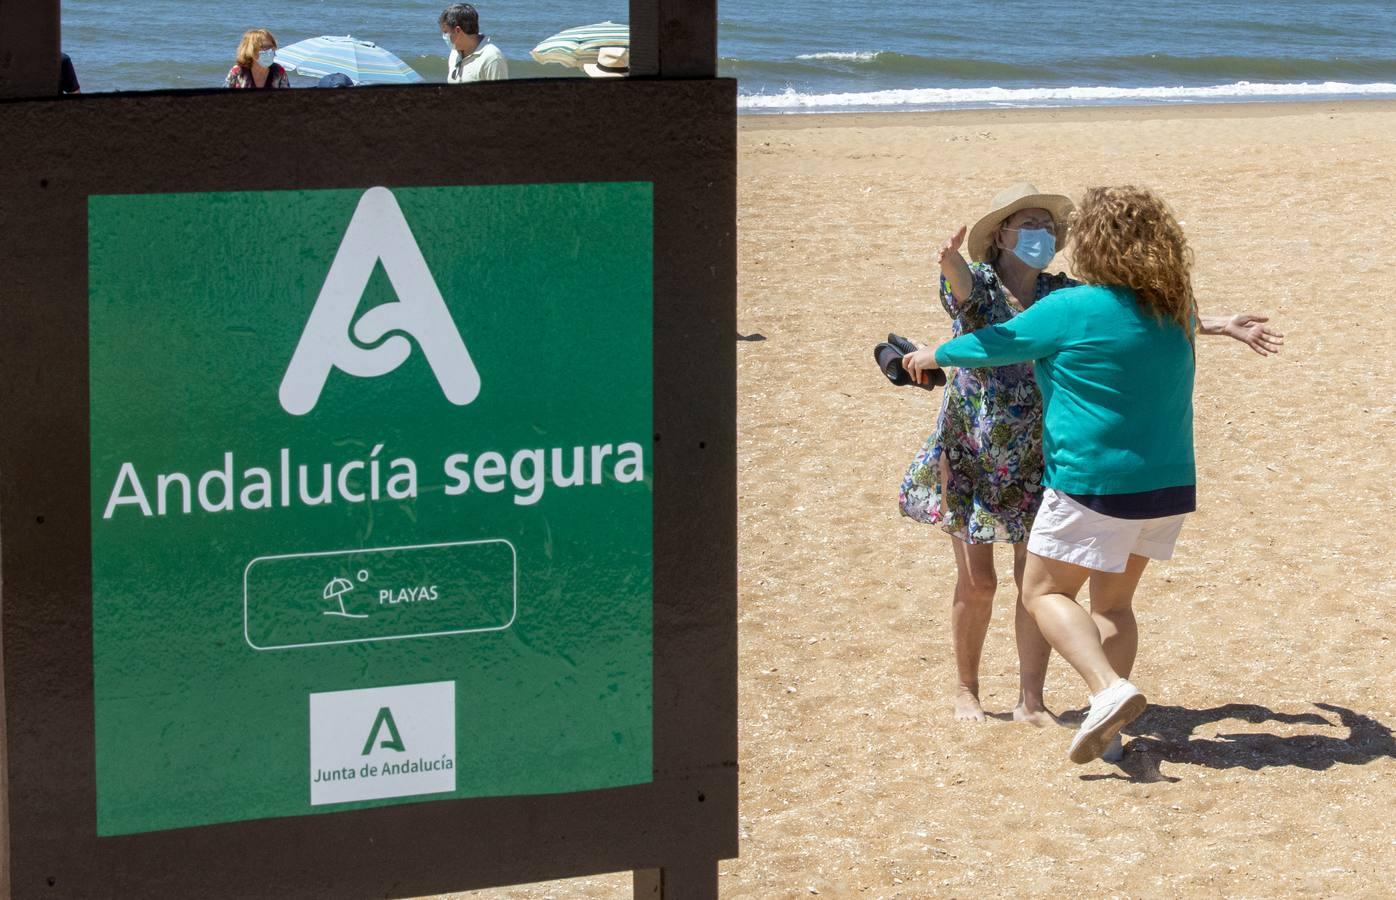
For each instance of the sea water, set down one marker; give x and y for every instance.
(803, 56)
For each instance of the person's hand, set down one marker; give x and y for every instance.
(919, 363)
(954, 269)
(952, 245)
(1252, 331)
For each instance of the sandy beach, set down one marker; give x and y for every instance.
(1266, 765)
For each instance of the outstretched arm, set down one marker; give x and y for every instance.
(1246, 328)
(954, 268)
(1032, 334)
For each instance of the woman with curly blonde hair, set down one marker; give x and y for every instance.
(1114, 362)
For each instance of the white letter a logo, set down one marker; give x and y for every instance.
(377, 232)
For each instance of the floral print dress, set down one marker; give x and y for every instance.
(240, 77)
(988, 438)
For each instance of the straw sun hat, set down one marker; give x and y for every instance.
(611, 62)
(1018, 197)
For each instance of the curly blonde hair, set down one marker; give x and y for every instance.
(1128, 236)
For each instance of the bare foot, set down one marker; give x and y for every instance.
(967, 708)
(1039, 716)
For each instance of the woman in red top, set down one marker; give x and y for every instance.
(256, 65)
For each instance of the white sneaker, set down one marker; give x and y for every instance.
(1115, 752)
(1111, 710)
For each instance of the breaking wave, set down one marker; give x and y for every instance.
(793, 101)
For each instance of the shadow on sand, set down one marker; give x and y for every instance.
(1165, 734)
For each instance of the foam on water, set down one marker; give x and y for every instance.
(849, 56)
(792, 100)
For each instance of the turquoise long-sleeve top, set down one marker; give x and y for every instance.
(1116, 388)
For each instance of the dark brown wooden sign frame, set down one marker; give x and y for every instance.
(675, 129)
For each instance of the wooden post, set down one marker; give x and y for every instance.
(30, 40)
(4, 769)
(673, 38)
(690, 880)
(29, 48)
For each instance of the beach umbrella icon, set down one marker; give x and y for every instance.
(335, 590)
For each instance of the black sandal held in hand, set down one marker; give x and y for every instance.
(889, 359)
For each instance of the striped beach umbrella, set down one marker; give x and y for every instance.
(577, 47)
(363, 61)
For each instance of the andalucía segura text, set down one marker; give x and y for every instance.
(527, 472)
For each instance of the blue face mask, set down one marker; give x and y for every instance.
(1035, 247)
(446, 36)
(266, 57)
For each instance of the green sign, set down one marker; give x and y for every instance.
(371, 498)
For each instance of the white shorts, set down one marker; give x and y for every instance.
(1067, 531)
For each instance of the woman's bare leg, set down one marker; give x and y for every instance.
(1050, 587)
(975, 583)
(1112, 610)
(1033, 653)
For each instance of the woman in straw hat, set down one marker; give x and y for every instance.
(979, 474)
(1114, 359)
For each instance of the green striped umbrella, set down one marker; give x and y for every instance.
(577, 47)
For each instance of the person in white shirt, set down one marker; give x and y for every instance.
(473, 56)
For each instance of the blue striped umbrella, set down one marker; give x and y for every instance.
(576, 47)
(363, 61)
